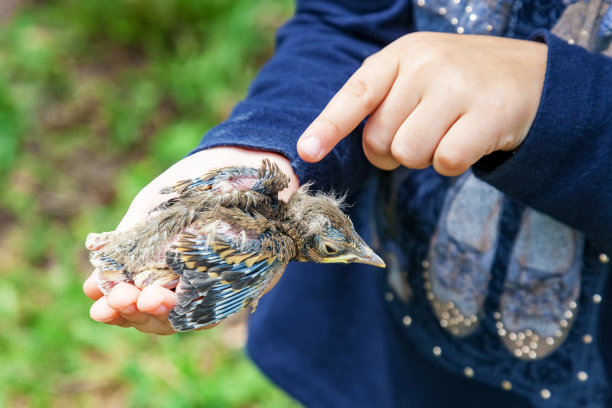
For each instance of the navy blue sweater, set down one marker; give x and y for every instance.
(352, 336)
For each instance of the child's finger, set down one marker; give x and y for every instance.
(123, 295)
(468, 140)
(418, 137)
(359, 97)
(156, 300)
(383, 124)
(123, 298)
(102, 312)
(155, 325)
(90, 288)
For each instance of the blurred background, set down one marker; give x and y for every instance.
(96, 99)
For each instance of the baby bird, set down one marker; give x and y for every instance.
(222, 239)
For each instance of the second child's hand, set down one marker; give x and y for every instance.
(436, 99)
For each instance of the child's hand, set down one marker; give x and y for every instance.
(147, 310)
(441, 99)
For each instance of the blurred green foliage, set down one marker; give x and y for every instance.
(97, 98)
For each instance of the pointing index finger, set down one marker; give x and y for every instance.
(359, 97)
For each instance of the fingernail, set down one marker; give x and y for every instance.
(311, 146)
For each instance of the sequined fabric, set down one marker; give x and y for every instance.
(584, 23)
(525, 287)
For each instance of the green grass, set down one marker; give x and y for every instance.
(97, 98)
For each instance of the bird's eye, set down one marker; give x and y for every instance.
(328, 249)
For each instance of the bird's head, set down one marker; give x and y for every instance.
(323, 233)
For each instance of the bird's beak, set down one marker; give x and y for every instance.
(370, 258)
(365, 255)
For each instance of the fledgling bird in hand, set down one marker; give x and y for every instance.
(223, 239)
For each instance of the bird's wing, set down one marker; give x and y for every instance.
(219, 278)
(267, 180)
(108, 271)
(243, 187)
(270, 179)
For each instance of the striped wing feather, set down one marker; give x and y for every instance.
(267, 180)
(216, 280)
